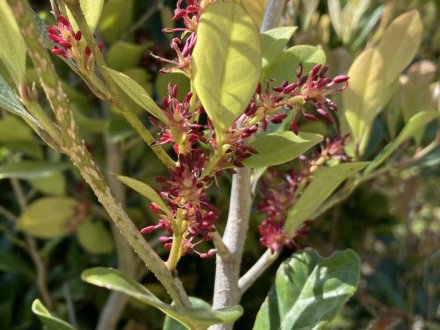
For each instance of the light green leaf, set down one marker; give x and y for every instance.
(30, 169)
(226, 62)
(273, 42)
(193, 318)
(9, 101)
(366, 94)
(324, 182)
(94, 237)
(54, 184)
(13, 128)
(124, 55)
(399, 44)
(255, 8)
(50, 322)
(92, 12)
(413, 127)
(49, 217)
(146, 191)
(13, 48)
(136, 93)
(284, 67)
(309, 291)
(116, 18)
(280, 147)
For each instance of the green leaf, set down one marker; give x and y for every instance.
(399, 44)
(30, 169)
(9, 101)
(136, 93)
(324, 182)
(412, 128)
(54, 184)
(13, 128)
(309, 291)
(172, 324)
(273, 42)
(49, 217)
(280, 147)
(174, 78)
(366, 94)
(284, 67)
(226, 62)
(255, 8)
(193, 318)
(116, 18)
(92, 11)
(124, 55)
(145, 190)
(94, 237)
(50, 322)
(13, 49)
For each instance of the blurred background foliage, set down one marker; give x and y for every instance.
(392, 222)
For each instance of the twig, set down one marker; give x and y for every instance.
(221, 248)
(8, 214)
(265, 261)
(69, 304)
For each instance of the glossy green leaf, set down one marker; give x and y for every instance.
(9, 100)
(280, 147)
(30, 169)
(49, 321)
(94, 237)
(54, 184)
(145, 190)
(273, 42)
(124, 55)
(226, 62)
(136, 93)
(172, 324)
(116, 18)
(366, 94)
(309, 291)
(193, 318)
(13, 48)
(284, 67)
(49, 217)
(399, 44)
(413, 127)
(324, 182)
(92, 12)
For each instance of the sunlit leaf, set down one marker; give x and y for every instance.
(399, 44)
(92, 12)
(124, 55)
(13, 48)
(50, 322)
(137, 93)
(192, 318)
(255, 8)
(309, 291)
(324, 182)
(280, 147)
(273, 42)
(49, 217)
(226, 62)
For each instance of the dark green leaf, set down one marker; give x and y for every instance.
(309, 291)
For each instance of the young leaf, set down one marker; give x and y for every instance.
(94, 237)
(273, 42)
(309, 290)
(413, 127)
(399, 44)
(13, 48)
(145, 190)
(9, 101)
(192, 318)
(50, 322)
(49, 217)
(284, 67)
(366, 94)
(92, 11)
(30, 169)
(136, 93)
(226, 62)
(324, 182)
(280, 147)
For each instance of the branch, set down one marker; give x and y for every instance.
(75, 148)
